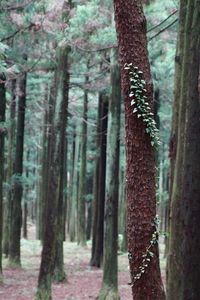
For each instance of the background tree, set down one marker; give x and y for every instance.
(2, 135)
(109, 288)
(185, 197)
(16, 217)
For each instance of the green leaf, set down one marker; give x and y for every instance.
(135, 110)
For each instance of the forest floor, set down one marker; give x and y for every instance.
(83, 282)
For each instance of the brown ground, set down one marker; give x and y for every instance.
(83, 282)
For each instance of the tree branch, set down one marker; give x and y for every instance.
(162, 30)
(162, 22)
(12, 35)
(15, 7)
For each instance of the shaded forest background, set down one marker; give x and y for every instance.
(62, 137)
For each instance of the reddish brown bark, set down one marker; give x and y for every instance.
(140, 172)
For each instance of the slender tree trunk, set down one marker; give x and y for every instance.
(16, 219)
(89, 221)
(42, 199)
(109, 288)
(2, 135)
(95, 183)
(11, 155)
(74, 201)
(82, 178)
(25, 203)
(98, 226)
(25, 216)
(140, 171)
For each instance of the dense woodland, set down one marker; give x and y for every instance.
(99, 149)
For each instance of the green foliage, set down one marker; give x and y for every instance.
(162, 55)
(91, 25)
(140, 103)
(148, 255)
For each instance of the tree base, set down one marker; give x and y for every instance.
(59, 276)
(43, 294)
(14, 263)
(108, 293)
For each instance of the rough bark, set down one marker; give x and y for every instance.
(177, 116)
(2, 136)
(48, 251)
(98, 220)
(109, 288)
(183, 272)
(140, 172)
(16, 218)
(59, 274)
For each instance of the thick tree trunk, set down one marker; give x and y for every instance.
(16, 219)
(183, 272)
(99, 185)
(48, 251)
(176, 135)
(2, 135)
(109, 288)
(82, 178)
(191, 174)
(52, 264)
(140, 172)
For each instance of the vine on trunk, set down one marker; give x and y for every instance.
(148, 255)
(140, 103)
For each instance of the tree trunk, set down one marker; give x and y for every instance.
(25, 216)
(25, 203)
(59, 274)
(48, 251)
(82, 178)
(95, 184)
(176, 155)
(11, 155)
(99, 193)
(185, 208)
(140, 171)
(2, 135)
(74, 196)
(175, 163)
(109, 288)
(44, 168)
(16, 219)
